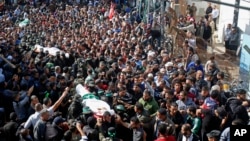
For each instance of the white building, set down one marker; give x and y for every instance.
(226, 15)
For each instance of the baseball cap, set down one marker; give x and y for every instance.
(58, 120)
(213, 134)
(169, 64)
(9, 57)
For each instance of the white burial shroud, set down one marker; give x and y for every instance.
(96, 105)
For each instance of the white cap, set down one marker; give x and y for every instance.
(151, 53)
(9, 57)
(150, 75)
(180, 65)
(67, 55)
(169, 64)
(215, 87)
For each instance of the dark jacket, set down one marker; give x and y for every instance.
(60, 133)
(91, 133)
(40, 131)
(207, 32)
(155, 123)
(236, 110)
(209, 10)
(177, 119)
(10, 130)
(206, 126)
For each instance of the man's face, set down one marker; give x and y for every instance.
(211, 139)
(190, 113)
(184, 132)
(146, 96)
(159, 116)
(35, 100)
(133, 125)
(136, 89)
(204, 93)
(199, 75)
(182, 96)
(210, 68)
(168, 96)
(242, 97)
(174, 109)
(218, 77)
(177, 86)
(122, 93)
(188, 82)
(107, 118)
(46, 116)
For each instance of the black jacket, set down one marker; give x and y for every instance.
(10, 130)
(236, 110)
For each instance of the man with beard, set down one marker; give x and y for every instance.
(200, 82)
(186, 134)
(176, 117)
(137, 92)
(149, 102)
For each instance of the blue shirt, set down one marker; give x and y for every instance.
(192, 65)
(225, 135)
(20, 109)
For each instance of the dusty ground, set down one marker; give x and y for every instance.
(228, 63)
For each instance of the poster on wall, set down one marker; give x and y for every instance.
(245, 62)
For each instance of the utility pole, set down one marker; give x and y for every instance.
(236, 13)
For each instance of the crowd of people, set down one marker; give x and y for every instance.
(110, 52)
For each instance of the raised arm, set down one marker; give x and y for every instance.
(59, 101)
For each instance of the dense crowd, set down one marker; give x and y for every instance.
(113, 54)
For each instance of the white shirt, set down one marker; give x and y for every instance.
(189, 27)
(192, 42)
(215, 13)
(227, 34)
(190, 138)
(32, 120)
(49, 109)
